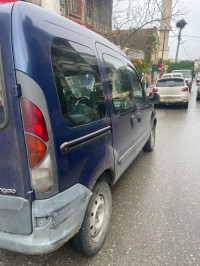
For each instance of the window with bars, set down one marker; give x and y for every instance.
(74, 6)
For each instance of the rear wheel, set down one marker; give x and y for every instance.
(96, 222)
(149, 146)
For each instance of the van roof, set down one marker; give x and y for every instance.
(172, 73)
(177, 70)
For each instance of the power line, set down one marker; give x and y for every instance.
(192, 36)
(185, 51)
(165, 19)
(191, 40)
(172, 42)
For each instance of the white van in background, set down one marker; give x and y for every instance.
(172, 75)
(187, 74)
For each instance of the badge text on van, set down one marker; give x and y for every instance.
(7, 190)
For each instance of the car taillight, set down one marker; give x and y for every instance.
(36, 150)
(185, 89)
(155, 90)
(35, 124)
(33, 119)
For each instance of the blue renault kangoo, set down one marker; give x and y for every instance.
(73, 117)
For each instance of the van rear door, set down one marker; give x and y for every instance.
(14, 174)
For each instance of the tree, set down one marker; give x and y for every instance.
(143, 68)
(134, 15)
(167, 63)
(151, 47)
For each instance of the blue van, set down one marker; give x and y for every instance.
(73, 116)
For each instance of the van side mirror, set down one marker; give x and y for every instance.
(154, 98)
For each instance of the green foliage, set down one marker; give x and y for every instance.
(167, 63)
(182, 65)
(151, 47)
(144, 68)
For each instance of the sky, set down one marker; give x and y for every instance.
(190, 49)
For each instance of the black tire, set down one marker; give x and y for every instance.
(185, 105)
(96, 223)
(149, 146)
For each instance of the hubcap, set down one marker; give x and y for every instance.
(98, 217)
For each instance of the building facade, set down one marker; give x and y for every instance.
(94, 14)
(165, 28)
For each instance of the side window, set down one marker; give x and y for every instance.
(138, 91)
(78, 83)
(2, 98)
(117, 76)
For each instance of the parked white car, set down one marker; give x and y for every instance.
(172, 91)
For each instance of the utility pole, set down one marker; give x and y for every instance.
(180, 24)
(163, 49)
(177, 49)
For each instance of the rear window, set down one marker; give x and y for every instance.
(166, 76)
(170, 83)
(2, 97)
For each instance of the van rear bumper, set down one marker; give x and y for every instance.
(55, 220)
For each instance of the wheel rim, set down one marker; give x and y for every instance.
(152, 137)
(98, 217)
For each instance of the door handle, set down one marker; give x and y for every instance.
(132, 121)
(139, 117)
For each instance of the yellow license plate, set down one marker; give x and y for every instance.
(169, 99)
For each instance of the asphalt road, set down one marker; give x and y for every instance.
(156, 203)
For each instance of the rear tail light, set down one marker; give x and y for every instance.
(155, 90)
(36, 150)
(185, 89)
(34, 123)
(39, 155)
(33, 119)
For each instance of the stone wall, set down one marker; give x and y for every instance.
(101, 17)
(36, 2)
